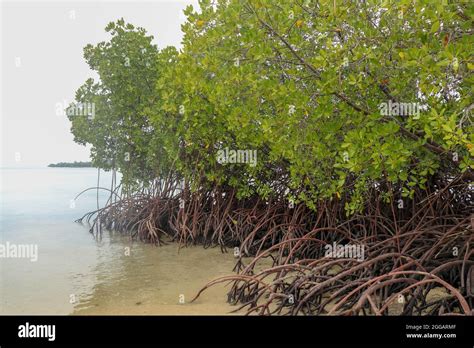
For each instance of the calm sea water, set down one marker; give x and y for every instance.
(75, 272)
(36, 209)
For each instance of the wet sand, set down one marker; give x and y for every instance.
(150, 280)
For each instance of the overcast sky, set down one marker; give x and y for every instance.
(42, 66)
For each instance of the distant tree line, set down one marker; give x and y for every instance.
(74, 164)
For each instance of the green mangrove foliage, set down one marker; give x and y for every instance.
(337, 98)
(120, 130)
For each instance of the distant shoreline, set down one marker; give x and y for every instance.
(71, 165)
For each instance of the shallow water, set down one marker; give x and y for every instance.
(147, 280)
(77, 273)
